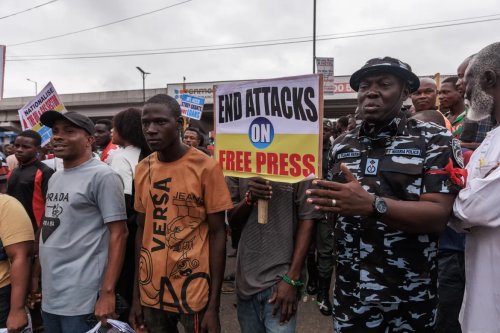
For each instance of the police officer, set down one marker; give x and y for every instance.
(391, 185)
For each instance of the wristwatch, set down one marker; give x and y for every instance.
(379, 207)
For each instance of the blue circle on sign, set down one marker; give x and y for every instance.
(261, 132)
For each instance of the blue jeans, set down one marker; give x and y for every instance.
(255, 315)
(65, 324)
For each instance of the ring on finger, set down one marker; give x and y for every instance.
(334, 202)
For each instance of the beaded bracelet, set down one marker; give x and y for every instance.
(248, 200)
(295, 283)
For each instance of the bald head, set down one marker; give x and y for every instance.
(461, 73)
(482, 83)
(425, 97)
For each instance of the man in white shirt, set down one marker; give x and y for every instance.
(476, 207)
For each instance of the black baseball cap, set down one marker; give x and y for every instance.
(386, 65)
(48, 118)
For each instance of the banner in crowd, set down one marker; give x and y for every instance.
(270, 128)
(325, 66)
(2, 69)
(29, 114)
(192, 106)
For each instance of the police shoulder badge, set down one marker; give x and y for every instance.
(457, 152)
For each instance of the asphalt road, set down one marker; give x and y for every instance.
(310, 320)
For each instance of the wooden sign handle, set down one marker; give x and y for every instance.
(262, 206)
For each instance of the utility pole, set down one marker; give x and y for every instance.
(143, 73)
(36, 85)
(314, 38)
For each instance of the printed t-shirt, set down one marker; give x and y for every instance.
(74, 238)
(176, 198)
(15, 227)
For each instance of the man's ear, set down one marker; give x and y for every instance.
(91, 140)
(490, 79)
(180, 123)
(405, 93)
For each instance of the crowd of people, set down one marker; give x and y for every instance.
(128, 218)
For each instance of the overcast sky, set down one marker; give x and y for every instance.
(214, 22)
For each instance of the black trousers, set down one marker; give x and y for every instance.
(320, 252)
(451, 287)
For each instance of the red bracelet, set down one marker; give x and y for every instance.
(248, 201)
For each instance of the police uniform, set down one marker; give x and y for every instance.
(386, 279)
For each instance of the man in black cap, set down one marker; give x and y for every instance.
(391, 185)
(84, 231)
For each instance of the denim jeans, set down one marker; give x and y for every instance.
(65, 324)
(255, 315)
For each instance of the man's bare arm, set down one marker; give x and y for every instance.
(217, 262)
(105, 306)
(20, 256)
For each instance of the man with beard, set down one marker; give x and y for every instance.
(476, 205)
(391, 183)
(473, 132)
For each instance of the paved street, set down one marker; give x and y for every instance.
(310, 320)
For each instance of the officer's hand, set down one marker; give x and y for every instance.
(259, 189)
(285, 300)
(349, 199)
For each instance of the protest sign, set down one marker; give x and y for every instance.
(2, 69)
(29, 114)
(270, 128)
(192, 106)
(325, 66)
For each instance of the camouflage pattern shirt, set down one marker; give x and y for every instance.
(377, 263)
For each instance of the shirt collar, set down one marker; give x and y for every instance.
(397, 126)
(22, 165)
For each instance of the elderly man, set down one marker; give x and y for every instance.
(391, 184)
(476, 205)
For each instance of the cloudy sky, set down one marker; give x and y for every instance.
(170, 28)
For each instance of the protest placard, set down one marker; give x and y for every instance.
(270, 128)
(2, 69)
(325, 66)
(29, 114)
(192, 106)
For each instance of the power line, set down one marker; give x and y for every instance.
(27, 10)
(99, 26)
(301, 38)
(283, 42)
